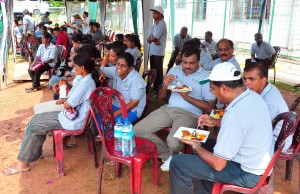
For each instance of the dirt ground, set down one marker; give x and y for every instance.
(16, 108)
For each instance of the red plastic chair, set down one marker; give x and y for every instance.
(294, 147)
(101, 105)
(59, 134)
(290, 121)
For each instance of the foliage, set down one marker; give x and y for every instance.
(54, 3)
(284, 86)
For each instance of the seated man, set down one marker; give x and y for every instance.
(62, 40)
(210, 44)
(244, 145)
(255, 78)
(183, 107)
(45, 60)
(225, 52)
(264, 51)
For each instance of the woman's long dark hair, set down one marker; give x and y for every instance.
(135, 39)
(83, 59)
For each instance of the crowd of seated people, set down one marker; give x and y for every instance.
(212, 72)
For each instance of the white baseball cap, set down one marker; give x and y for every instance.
(158, 9)
(224, 72)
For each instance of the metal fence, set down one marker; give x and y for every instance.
(237, 20)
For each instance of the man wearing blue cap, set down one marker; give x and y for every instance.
(244, 145)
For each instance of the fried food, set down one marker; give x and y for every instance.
(184, 87)
(218, 113)
(192, 136)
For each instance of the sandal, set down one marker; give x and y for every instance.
(11, 171)
(33, 89)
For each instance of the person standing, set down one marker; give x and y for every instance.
(178, 42)
(28, 23)
(45, 19)
(85, 23)
(157, 40)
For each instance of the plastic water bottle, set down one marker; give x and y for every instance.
(118, 134)
(133, 139)
(127, 139)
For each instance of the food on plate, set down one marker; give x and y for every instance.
(218, 113)
(192, 136)
(184, 87)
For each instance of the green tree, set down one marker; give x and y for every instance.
(54, 3)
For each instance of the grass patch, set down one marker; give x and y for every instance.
(285, 86)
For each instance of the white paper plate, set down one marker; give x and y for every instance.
(172, 88)
(178, 133)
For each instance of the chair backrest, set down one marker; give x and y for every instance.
(138, 62)
(151, 77)
(102, 113)
(290, 122)
(273, 62)
(296, 137)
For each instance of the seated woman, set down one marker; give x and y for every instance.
(133, 45)
(76, 40)
(130, 83)
(41, 124)
(45, 60)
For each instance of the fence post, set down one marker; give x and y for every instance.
(271, 23)
(224, 23)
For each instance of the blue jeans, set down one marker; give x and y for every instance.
(189, 174)
(132, 116)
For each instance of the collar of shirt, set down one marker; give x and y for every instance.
(237, 99)
(266, 90)
(129, 76)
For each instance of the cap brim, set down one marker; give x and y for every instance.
(205, 81)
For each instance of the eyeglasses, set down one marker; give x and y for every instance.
(224, 49)
(121, 65)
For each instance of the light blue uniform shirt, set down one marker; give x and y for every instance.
(159, 31)
(246, 135)
(200, 92)
(134, 52)
(205, 59)
(78, 98)
(263, 51)
(212, 64)
(277, 105)
(47, 53)
(133, 87)
(179, 42)
(212, 47)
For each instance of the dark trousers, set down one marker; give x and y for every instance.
(36, 75)
(156, 62)
(172, 59)
(267, 62)
(189, 174)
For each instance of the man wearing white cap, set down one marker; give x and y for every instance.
(244, 145)
(157, 40)
(28, 23)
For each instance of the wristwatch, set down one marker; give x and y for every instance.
(194, 147)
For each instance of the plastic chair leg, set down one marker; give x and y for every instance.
(101, 170)
(132, 180)
(288, 169)
(92, 146)
(137, 177)
(118, 169)
(155, 169)
(217, 188)
(59, 153)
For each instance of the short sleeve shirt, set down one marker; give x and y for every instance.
(212, 47)
(86, 29)
(133, 87)
(246, 135)
(212, 64)
(276, 105)
(205, 58)
(45, 19)
(134, 52)
(78, 98)
(179, 42)
(264, 51)
(159, 31)
(200, 92)
(27, 19)
(47, 53)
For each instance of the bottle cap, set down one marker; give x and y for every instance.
(119, 119)
(126, 121)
